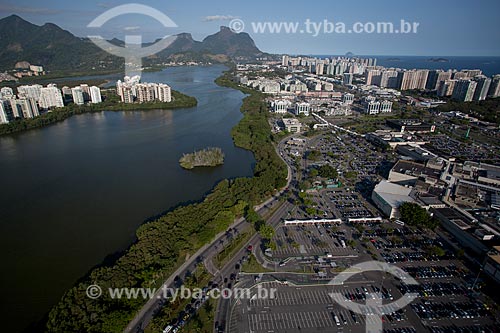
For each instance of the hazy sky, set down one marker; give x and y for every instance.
(447, 27)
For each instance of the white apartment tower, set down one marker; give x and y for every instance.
(50, 97)
(77, 94)
(95, 95)
(164, 93)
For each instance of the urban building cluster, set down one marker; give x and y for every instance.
(132, 90)
(329, 66)
(32, 100)
(463, 195)
(464, 85)
(24, 68)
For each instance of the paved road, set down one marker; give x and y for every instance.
(205, 253)
(144, 316)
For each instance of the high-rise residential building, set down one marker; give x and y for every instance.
(146, 92)
(371, 75)
(466, 74)
(132, 90)
(164, 93)
(445, 88)
(407, 80)
(284, 60)
(24, 108)
(330, 69)
(50, 97)
(460, 76)
(442, 76)
(32, 91)
(421, 79)
(319, 68)
(494, 90)
(86, 92)
(473, 72)
(77, 94)
(347, 79)
(127, 94)
(432, 79)
(7, 93)
(464, 90)
(388, 79)
(414, 79)
(6, 114)
(482, 88)
(95, 95)
(67, 94)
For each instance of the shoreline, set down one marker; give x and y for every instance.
(182, 231)
(181, 101)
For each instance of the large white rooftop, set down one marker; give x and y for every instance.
(393, 194)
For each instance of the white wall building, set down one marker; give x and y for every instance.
(302, 108)
(33, 91)
(164, 93)
(95, 95)
(348, 98)
(50, 97)
(6, 114)
(77, 94)
(388, 197)
(373, 107)
(24, 108)
(386, 106)
(280, 106)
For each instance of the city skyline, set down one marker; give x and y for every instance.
(445, 28)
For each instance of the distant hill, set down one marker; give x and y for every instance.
(229, 43)
(50, 46)
(59, 50)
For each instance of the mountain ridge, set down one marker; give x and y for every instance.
(59, 50)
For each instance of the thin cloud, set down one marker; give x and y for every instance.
(131, 28)
(219, 18)
(105, 5)
(9, 8)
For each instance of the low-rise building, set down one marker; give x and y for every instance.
(302, 108)
(292, 125)
(408, 172)
(280, 106)
(410, 125)
(389, 196)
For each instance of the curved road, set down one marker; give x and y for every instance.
(205, 253)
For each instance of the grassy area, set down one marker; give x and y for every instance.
(230, 250)
(253, 266)
(203, 320)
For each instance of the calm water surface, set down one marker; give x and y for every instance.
(74, 192)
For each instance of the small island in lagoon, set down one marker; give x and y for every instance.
(208, 157)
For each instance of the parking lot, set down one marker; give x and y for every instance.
(293, 241)
(311, 309)
(446, 146)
